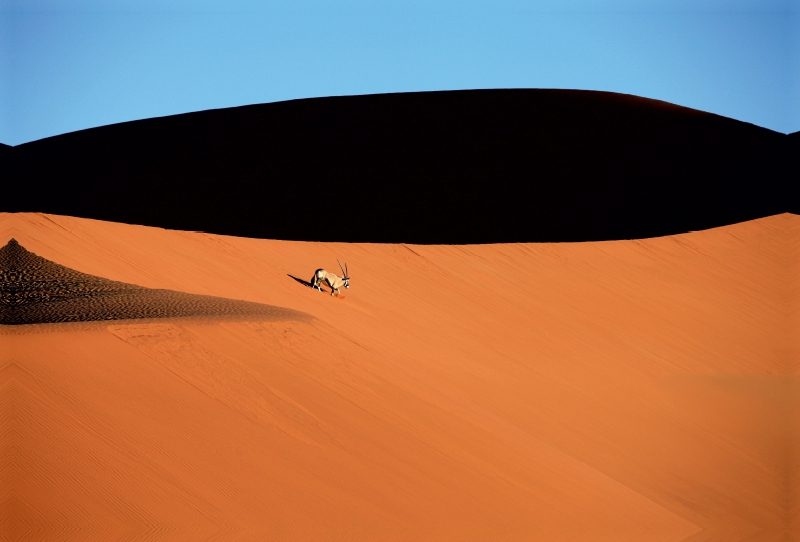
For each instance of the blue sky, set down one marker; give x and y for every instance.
(67, 65)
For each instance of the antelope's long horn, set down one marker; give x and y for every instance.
(345, 270)
(340, 267)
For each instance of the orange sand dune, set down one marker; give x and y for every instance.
(624, 391)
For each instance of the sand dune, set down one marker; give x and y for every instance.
(34, 290)
(624, 391)
(452, 167)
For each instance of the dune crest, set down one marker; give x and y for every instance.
(639, 390)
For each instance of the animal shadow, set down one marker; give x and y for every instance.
(303, 282)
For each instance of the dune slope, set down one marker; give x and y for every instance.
(628, 390)
(34, 290)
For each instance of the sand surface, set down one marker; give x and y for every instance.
(624, 391)
(34, 290)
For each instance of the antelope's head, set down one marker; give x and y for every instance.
(345, 277)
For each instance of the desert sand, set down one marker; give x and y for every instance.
(35, 290)
(636, 390)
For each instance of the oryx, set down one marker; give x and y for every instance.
(333, 281)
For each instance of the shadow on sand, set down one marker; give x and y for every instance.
(303, 282)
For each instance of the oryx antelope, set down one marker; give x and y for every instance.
(333, 281)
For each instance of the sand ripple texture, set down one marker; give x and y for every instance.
(34, 290)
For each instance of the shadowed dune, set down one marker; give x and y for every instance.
(5, 160)
(474, 166)
(37, 291)
(632, 391)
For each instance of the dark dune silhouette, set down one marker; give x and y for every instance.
(6, 171)
(34, 290)
(476, 166)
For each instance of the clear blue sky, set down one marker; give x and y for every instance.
(66, 65)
